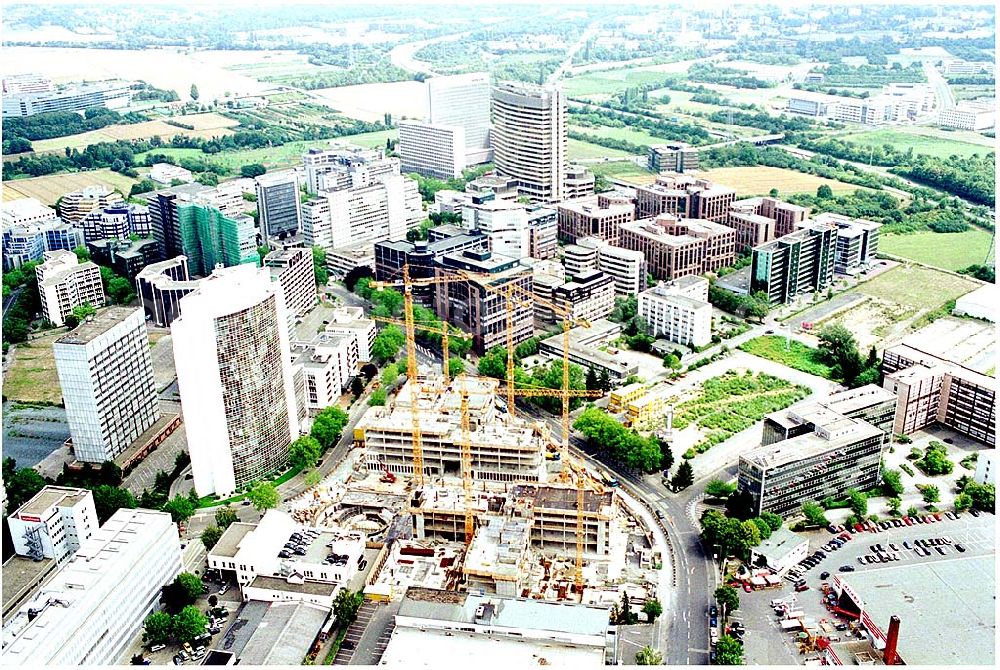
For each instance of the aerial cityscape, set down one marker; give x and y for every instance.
(505, 334)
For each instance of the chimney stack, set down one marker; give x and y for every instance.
(891, 640)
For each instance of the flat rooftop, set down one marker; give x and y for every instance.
(282, 584)
(947, 608)
(967, 342)
(97, 325)
(20, 575)
(413, 648)
(229, 543)
(853, 400)
(844, 432)
(52, 496)
(498, 547)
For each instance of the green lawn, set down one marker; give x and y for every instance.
(629, 134)
(916, 286)
(951, 251)
(282, 156)
(578, 149)
(931, 141)
(794, 354)
(610, 81)
(626, 170)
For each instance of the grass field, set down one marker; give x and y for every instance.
(609, 82)
(206, 125)
(623, 170)
(32, 376)
(577, 149)
(797, 355)
(917, 287)
(628, 134)
(951, 251)
(50, 188)
(930, 141)
(760, 180)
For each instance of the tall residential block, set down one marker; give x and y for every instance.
(675, 247)
(800, 262)
(106, 376)
(293, 269)
(529, 138)
(678, 311)
(54, 523)
(594, 216)
(234, 370)
(64, 283)
(463, 101)
(210, 238)
(472, 306)
(92, 610)
(683, 195)
(278, 204)
(329, 362)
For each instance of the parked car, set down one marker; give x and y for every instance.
(824, 575)
(918, 519)
(960, 548)
(940, 550)
(713, 610)
(223, 590)
(906, 545)
(846, 568)
(908, 521)
(893, 547)
(746, 587)
(937, 516)
(713, 622)
(157, 647)
(858, 528)
(802, 587)
(973, 511)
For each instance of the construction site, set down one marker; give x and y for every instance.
(458, 492)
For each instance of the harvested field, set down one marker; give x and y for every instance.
(50, 188)
(760, 180)
(206, 126)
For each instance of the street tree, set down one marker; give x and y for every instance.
(210, 537)
(728, 650)
(158, 628)
(329, 424)
(963, 501)
(180, 508)
(859, 503)
(377, 398)
(189, 623)
(110, 499)
(684, 477)
(314, 477)
(931, 494)
(892, 483)
(225, 517)
(648, 656)
(357, 387)
(304, 452)
(719, 489)
(263, 496)
(814, 514)
(652, 609)
(346, 605)
(893, 504)
(728, 598)
(194, 92)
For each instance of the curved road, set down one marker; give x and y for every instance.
(404, 55)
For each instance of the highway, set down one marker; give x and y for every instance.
(945, 98)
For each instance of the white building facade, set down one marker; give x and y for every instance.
(675, 316)
(433, 150)
(65, 283)
(54, 523)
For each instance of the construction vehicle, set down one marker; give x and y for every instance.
(387, 477)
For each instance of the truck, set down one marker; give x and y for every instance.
(791, 624)
(797, 614)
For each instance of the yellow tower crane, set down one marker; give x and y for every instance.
(443, 332)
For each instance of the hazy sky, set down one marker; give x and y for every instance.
(702, 4)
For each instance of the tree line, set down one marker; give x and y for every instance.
(658, 127)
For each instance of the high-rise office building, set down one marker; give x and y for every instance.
(117, 221)
(594, 216)
(278, 204)
(65, 283)
(857, 241)
(431, 150)
(678, 311)
(210, 239)
(463, 101)
(676, 247)
(293, 269)
(800, 262)
(234, 370)
(161, 286)
(686, 196)
(106, 376)
(626, 266)
(504, 223)
(529, 138)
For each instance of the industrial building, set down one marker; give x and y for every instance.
(943, 612)
(233, 363)
(817, 450)
(675, 247)
(968, 116)
(780, 551)
(161, 286)
(529, 138)
(467, 628)
(478, 305)
(106, 377)
(979, 304)
(53, 524)
(64, 283)
(933, 389)
(678, 310)
(91, 610)
(800, 262)
(502, 452)
(277, 634)
(684, 196)
(278, 204)
(597, 216)
(674, 157)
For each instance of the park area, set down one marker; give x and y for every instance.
(725, 405)
(788, 352)
(205, 126)
(50, 188)
(626, 171)
(935, 142)
(760, 180)
(950, 251)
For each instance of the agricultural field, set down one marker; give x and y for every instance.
(792, 353)
(610, 82)
(973, 91)
(931, 141)
(627, 171)
(370, 102)
(50, 188)
(205, 125)
(950, 251)
(732, 402)
(32, 375)
(577, 150)
(760, 180)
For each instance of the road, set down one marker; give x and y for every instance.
(945, 98)
(9, 300)
(567, 62)
(404, 55)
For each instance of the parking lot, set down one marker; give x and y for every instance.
(765, 643)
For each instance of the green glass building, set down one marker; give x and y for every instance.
(210, 238)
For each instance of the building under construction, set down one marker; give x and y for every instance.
(502, 448)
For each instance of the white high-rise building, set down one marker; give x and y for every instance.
(678, 312)
(234, 370)
(529, 138)
(65, 283)
(91, 611)
(626, 266)
(106, 376)
(54, 523)
(504, 223)
(463, 101)
(432, 150)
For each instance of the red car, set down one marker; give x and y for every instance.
(845, 536)
(937, 516)
(908, 521)
(929, 519)
(858, 528)
(746, 587)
